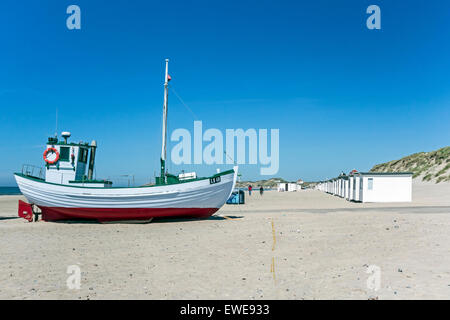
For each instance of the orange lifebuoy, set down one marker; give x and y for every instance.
(53, 150)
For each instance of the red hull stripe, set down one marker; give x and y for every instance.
(117, 214)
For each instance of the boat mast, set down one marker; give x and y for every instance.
(164, 125)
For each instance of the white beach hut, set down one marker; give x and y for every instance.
(288, 186)
(342, 185)
(350, 187)
(357, 188)
(384, 187)
(370, 186)
(347, 188)
(281, 187)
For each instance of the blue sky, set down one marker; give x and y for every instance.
(342, 96)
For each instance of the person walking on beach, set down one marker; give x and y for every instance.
(261, 190)
(250, 190)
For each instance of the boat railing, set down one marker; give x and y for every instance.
(33, 171)
(125, 180)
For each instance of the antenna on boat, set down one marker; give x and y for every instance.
(56, 124)
(164, 126)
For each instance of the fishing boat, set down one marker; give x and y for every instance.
(63, 191)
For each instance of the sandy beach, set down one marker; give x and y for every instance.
(297, 245)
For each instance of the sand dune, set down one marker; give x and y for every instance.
(433, 166)
(322, 249)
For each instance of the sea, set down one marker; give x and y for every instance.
(9, 191)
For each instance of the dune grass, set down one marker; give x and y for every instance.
(424, 164)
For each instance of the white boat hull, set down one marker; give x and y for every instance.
(200, 198)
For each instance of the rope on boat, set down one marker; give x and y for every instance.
(183, 103)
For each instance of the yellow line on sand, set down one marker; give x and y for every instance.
(272, 268)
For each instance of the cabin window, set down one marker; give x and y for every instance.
(64, 153)
(82, 155)
(370, 183)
